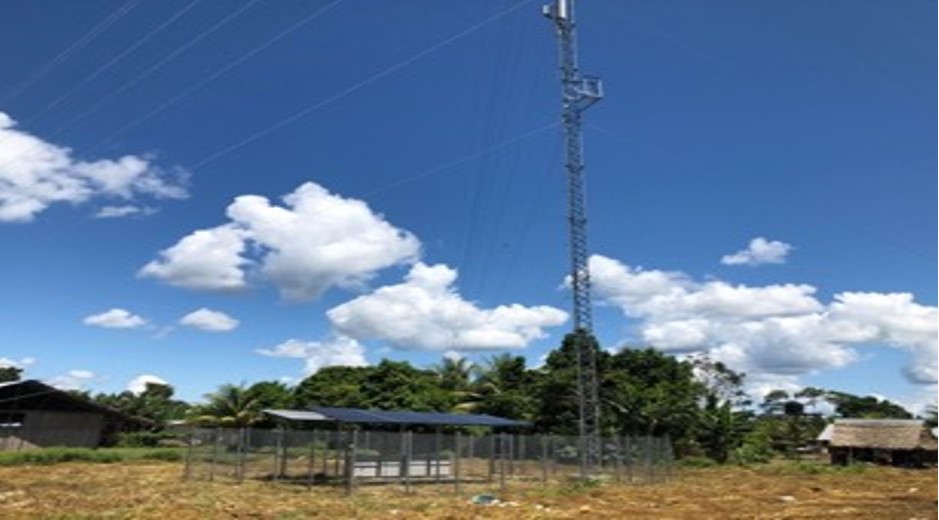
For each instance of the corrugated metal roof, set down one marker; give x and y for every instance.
(297, 415)
(31, 394)
(361, 416)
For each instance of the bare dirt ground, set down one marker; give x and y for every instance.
(155, 490)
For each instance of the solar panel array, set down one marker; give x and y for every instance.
(360, 416)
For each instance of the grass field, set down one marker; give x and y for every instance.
(153, 489)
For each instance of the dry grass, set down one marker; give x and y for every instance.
(154, 490)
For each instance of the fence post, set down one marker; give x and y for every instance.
(628, 454)
(492, 455)
(187, 472)
(214, 454)
(618, 457)
(670, 457)
(456, 462)
(311, 463)
(325, 453)
(278, 440)
(502, 462)
(544, 459)
(337, 454)
(350, 462)
(240, 468)
(408, 447)
(437, 449)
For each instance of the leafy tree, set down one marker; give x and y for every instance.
(651, 393)
(10, 373)
(867, 407)
(720, 382)
(270, 394)
(556, 392)
(930, 418)
(156, 403)
(811, 396)
(504, 387)
(397, 385)
(774, 402)
(333, 386)
(721, 429)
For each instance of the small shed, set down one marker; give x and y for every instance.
(382, 445)
(36, 415)
(898, 442)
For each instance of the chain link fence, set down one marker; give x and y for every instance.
(353, 458)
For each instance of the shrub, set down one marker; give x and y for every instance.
(145, 439)
(164, 455)
(56, 455)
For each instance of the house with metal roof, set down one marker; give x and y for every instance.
(35, 415)
(898, 442)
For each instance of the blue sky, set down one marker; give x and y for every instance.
(761, 182)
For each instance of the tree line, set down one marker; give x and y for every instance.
(699, 403)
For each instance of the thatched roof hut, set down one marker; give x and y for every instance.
(885, 434)
(888, 440)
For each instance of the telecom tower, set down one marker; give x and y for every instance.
(578, 92)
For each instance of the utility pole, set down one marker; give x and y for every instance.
(578, 92)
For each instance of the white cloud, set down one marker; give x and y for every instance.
(774, 332)
(425, 312)
(115, 319)
(315, 241)
(209, 320)
(73, 380)
(138, 384)
(23, 363)
(34, 174)
(340, 351)
(759, 251)
(206, 259)
(123, 211)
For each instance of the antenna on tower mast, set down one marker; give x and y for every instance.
(578, 92)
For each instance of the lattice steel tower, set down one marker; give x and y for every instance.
(578, 92)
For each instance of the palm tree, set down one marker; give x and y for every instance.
(501, 387)
(230, 405)
(454, 374)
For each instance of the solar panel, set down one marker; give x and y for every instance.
(360, 416)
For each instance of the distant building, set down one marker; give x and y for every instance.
(898, 442)
(35, 415)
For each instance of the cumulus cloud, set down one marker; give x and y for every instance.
(426, 312)
(35, 174)
(314, 241)
(759, 251)
(116, 318)
(138, 384)
(777, 332)
(209, 320)
(208, 259)
(340, 351)
(73, 380)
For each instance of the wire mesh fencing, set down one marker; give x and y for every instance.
(353, 458)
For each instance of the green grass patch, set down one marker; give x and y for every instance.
(56, 455)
